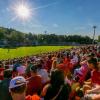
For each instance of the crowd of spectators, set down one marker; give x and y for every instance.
(72, 74)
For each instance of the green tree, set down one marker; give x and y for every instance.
(99, 38)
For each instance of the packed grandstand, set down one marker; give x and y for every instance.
(72, 74)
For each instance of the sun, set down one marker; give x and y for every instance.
(23, 11)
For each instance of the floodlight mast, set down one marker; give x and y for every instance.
(94, 28)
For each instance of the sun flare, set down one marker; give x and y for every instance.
(23, 12)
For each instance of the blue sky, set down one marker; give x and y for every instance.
(54, 16)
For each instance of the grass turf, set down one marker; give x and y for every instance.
(26, 51)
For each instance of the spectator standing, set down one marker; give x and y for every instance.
(34, 85)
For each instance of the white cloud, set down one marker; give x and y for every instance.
(55, 25)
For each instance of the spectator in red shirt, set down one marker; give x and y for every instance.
(62, 66)
(34, 85)
(95, 73)
(1, 71)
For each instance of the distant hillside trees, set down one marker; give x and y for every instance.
(99, 38)
(12, 38)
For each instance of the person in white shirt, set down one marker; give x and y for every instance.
(43, 73)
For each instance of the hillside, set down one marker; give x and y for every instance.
(11, 38)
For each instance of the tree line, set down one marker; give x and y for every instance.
(12, 38)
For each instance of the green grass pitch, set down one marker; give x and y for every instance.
(26, 51)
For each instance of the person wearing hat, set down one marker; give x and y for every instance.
(17, 88)
(4, 85)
